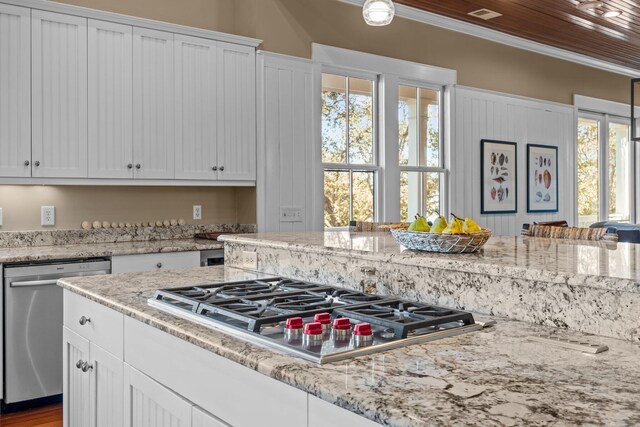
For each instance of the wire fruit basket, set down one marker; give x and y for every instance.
(444, 243)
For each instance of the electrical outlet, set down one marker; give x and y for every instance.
(250, 260)
(291, 215)
(47, 215)
(197, 212)
(0, 217)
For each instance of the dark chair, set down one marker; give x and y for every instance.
(627, 233)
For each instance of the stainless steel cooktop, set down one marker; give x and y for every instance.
(316, 322)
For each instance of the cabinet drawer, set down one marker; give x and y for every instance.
(152, 262)
(103, 326)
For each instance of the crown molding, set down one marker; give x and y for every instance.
(447, 23)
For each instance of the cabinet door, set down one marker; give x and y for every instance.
(195, 108)
(322, 413)
(110, 100)
(153, 104)
(15, 90)
(149, 404)
(75, 382)
(201, 418)
(236, 112)
(59, 98)
(196, 133)
(107, 402)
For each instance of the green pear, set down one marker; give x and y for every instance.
(420, 224)
(439, 225)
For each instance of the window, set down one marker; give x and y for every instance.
(420, 151)
(604, 168)
(348, 149)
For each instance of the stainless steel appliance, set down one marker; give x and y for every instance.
(33, 325)
(318, 323)
(212, 257)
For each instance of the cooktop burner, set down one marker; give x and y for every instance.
(317, 322)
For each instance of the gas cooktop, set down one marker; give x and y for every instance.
(316, 322)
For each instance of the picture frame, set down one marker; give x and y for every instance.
(543, 187)
(498, 177)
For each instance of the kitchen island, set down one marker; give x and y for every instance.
(592, 287)
(490, 377)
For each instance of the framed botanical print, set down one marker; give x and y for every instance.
(542, 178)
(499, 177)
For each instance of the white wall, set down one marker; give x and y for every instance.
(289, 169)
(486, 115)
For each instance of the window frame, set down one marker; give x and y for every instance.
(604, 120)
(442, 170)
(356, 167)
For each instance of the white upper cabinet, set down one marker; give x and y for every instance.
(196, 99)
(15, 91)
(110, 100)
(153, 104)
(236, 112)
(59, 95)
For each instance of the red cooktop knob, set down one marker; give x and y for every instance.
(313, 328)
(362, 329)
(294, 323)
(342, 324)
(322, 318)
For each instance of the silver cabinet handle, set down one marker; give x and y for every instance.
(27, 163)
(86, 367)
(37, 163)
(159, 265)
(138, 165)
(79, 364)
(215, 168)
(84, 320)
(221, 168)
(130, 166)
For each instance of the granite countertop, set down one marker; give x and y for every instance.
(582, 263)
(493, 377)
(88, 250)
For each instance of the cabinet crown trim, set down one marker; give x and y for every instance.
(133, 21)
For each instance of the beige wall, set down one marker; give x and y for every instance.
(289, 27)
(74, 204)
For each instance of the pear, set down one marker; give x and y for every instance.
(454, 227)
(470, 226)
(439, 225)
(420, 224)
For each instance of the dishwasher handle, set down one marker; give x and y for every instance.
(32, 283)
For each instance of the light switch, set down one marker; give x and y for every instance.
(291, 214)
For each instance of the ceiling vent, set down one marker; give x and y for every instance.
(485, 14)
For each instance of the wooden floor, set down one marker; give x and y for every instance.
(47, 416)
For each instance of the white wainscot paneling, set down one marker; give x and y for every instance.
(485, 115)
(285, 142)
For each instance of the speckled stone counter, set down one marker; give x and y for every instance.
(591, 287)
(44, 253)
(494, 377)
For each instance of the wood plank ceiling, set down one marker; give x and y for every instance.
(558, 23)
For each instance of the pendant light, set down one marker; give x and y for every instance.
(378, 12)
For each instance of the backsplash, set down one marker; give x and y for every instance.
(14, 239)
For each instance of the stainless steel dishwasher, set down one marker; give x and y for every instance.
(33, 325)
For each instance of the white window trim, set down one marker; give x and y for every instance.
(390, 73)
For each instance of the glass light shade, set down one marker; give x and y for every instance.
(378, 12)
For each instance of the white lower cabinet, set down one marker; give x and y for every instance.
(165, 381)
(92, 384)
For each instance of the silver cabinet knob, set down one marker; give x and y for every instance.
(36, 163)
(138, 165)
(84, 320)
(27, 163)
(215, 168)
(86, 367)
(221, 168)
(130, 166)
(159, 265)
(79, 364)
